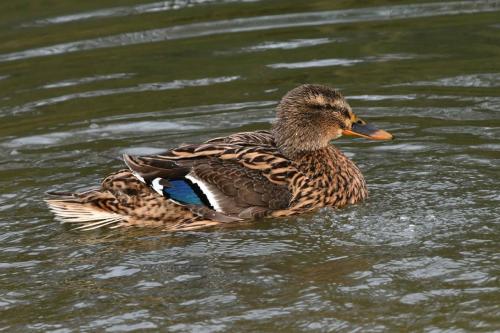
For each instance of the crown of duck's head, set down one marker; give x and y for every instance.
(311, 115)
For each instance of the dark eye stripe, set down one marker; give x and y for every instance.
(345, 113)
(318, 106)
(342, 110)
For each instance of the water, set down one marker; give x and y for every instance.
(82, 83)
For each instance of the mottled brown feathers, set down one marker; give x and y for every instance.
(289, 170)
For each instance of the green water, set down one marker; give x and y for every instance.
(82, 82)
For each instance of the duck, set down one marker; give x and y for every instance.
(288, 170)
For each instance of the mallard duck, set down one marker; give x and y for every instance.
(289, 170)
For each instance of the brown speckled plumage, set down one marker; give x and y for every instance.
(289, 170)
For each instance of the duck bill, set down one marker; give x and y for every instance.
(368, 131)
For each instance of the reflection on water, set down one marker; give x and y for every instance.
(484, 80)
(341, 62)
(83, 80)
(420, 255)
(262, 23)
(155, 86)
(127, 11)
(291, 44)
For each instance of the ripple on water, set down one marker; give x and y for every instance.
(487, 146)
(262, 23)
(153, 7)
(402, 147)
(484, 132)
(483, 80)
(11, 299)
(226, 118)
(383, 97)
(341, 62)
(84, 80)
(19, 264)
(197, 110)
(155, 86)
(124, 322)
(432, 112)
(117, 271)
(96, 132)
(290, 44)
(142, 151)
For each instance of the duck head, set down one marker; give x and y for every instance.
(310, 116)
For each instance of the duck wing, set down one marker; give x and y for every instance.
(255, 138)
(225, 186)
(240, 175)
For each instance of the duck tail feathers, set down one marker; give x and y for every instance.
(70, 208)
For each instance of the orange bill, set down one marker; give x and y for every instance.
(368, 131)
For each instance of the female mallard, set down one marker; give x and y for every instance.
(289, 170)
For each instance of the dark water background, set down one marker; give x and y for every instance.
(82, 82)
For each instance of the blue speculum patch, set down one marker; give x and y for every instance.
(183, 192)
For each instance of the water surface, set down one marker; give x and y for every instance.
(82, 83)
